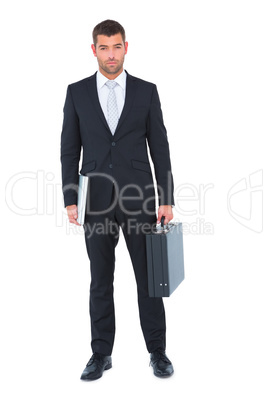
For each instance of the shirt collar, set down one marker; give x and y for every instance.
(121, 80)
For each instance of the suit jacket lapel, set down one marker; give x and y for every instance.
(93, 93)
(130, 94)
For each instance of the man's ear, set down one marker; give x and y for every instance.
(94, 50)
(126, 47)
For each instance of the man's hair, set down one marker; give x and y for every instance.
(108, 28)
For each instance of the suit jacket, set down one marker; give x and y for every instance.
(121, 158)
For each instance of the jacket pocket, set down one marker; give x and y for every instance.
(88, 167)
(140, 165)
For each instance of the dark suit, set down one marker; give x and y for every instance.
(117, 164)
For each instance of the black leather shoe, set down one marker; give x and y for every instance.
(161, 364)
(96, 366)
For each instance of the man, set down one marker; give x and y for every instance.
(113, 116)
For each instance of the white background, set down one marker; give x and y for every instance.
(209, 61)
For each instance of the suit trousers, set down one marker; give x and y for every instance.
(101, 236)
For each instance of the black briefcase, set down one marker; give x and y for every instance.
(165, 262)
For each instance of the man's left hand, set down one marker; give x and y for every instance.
(166, 211)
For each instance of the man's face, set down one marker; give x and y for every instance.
(110, 53)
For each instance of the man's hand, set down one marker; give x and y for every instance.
(72, 214)
(165, 210)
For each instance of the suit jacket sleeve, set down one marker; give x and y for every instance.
(159, 150)
(70, 151)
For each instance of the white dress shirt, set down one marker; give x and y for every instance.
(120, 92)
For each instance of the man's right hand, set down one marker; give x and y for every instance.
(72, 214)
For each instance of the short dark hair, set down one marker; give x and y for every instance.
(108, 28)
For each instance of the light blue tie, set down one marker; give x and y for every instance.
(112, 106)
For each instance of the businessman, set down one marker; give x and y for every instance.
(112, 116)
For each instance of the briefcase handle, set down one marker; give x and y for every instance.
(167, 226)
(162, 228)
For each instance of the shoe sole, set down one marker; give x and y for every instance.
(164, 376)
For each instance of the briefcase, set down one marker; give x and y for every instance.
(165, 261)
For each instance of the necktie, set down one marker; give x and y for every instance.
(112, 106)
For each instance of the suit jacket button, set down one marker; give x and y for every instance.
(110, 166)
(113, 144)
